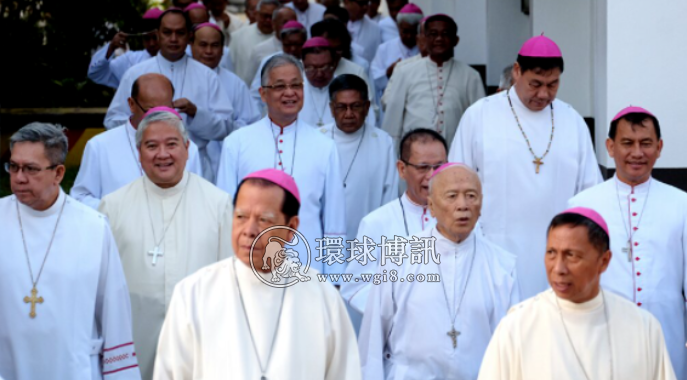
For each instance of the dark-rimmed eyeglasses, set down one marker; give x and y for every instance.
(29, 170)
(284, 87)
(423, 168)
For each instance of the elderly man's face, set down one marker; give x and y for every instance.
(573, 264)
(635, 150)
(263, 17)
(416, 172)
(173, 36)
(284, 15)
(408, 33)
(257, 209)
(319, 68)
(163, 154)
(37, 182)
(207, 47)
(293, 44)
(440, 38)
(349, 110)
(455, 200)
(536, 88)
(284, 93)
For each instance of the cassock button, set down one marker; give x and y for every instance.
(281, 151)
(636, 258)
(634, 199)
(639, 289)
(281, 141)
(426, 219)
(635, 228)
(280, 164)
(639, 273)
(636, 244)
(388, 356)
(440, 87)
(634, 214)
(639, 304)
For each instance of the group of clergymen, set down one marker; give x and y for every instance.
(543, 271)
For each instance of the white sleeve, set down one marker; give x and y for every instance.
(255, 92)
(343, 362)
(87, 187)
(226, 60)
(214, 122)
(246, 110)
(176, 346)
(590, 173)
(118, 112)
(333, 205)
(375, 328)
(227, 173)
(461, 149)
(121, 64)
(357, 293)
(500, 360)
(193, 164)
(378, 71)
(395, 98)
(391, 176)
(99, 69)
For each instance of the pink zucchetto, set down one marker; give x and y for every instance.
(209, 25)
(152, 14)
(193, 6)
(410, 8)
(631, 109)
(278, 178)
(540, 47)
(591, 214)
(444, 167)
(162, 109)
(292, 25)
(316, 42)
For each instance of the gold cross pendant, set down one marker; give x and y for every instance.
(453, 334)
(537, 161)
(33, 300)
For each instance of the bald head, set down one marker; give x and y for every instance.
(281, 17)
(455, 200)
(148, 91)
(199, 16)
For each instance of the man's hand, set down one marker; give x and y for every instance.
(390, 69)
(119, 41)
(186, 106)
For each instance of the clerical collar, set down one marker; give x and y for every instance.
(343, 136)
(278, 130)
(412, 207)
(448, 62)
(624, 188)
(245, 274)
(168, 192)
(520, 107)
(583, 307)
(167, 64)
(464, 246)
(50, 211)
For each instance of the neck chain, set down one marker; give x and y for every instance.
(628, 231)
(263, 369)
(441, 89)
(453, 333)
(320, 116)
(403, 211)
(278, 151)
(171, 79)
(608, 330)
(156, 251)
(133, 153)
(538, 161)
(360, 142)
(33, 300)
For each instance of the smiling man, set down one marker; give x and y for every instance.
(418, 330)
(650, 250)
(167, 224)
(534, 151)
(577, 329)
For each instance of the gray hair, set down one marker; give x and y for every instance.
(506, 77)
(276, 3)
(410, 18)
(287, 32)
(469, 169)
(278, 60)
(51, 135)
(163, 116)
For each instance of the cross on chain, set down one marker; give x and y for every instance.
(538, 162)
(454, 335)
(155, 253)
(33, 300)
(628, 249)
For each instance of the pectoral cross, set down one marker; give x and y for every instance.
(628, 250)
(537, 161)
(33, 300)
(155, 253)
(454, 335)
(320, 123)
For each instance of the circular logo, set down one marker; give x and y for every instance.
(284, 263)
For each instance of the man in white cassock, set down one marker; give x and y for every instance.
(577, 329)
(167, 224)
(393, 82)
(308, 12)
(336, 32)
(207, 46)
(366, 153)
(198, 94)
(648, 226)
(199, 14)
(227, 21)
(533, 150)
(321, 65)
(272, 45)
(439, 328)
(364, 31)
(65, 306)
(282, 141)
(107, 69)
(388, 25)
(244, 40)
(258, 328)
(110, 159)
(397, 49)
(433, 91)
(422, 151)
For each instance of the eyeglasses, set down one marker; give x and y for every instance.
(323, 69)
(284, 87)
(423, 168)
(29, 170)
(139, 105)
(433, 34)
(355, 107)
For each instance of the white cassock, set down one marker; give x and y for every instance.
(519, 203)
(243, 41)
(225, 61)
(310, 158)
(316, 111)
(368, 170)
(399, 217)
(652, 273)
(389, 29)
(377, 18)
(388, 53)
(82, 329)
(367, 34)
(531, 342)
(206, 334)
(264, 49)
(406, 324)
(197, 235)
(357, 52)
(235, 23)
(393, 81)
(111, 160)
(109, 72)
(191, 80)
(429, 96)
(313, 14)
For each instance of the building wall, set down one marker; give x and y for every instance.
(507, 28)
